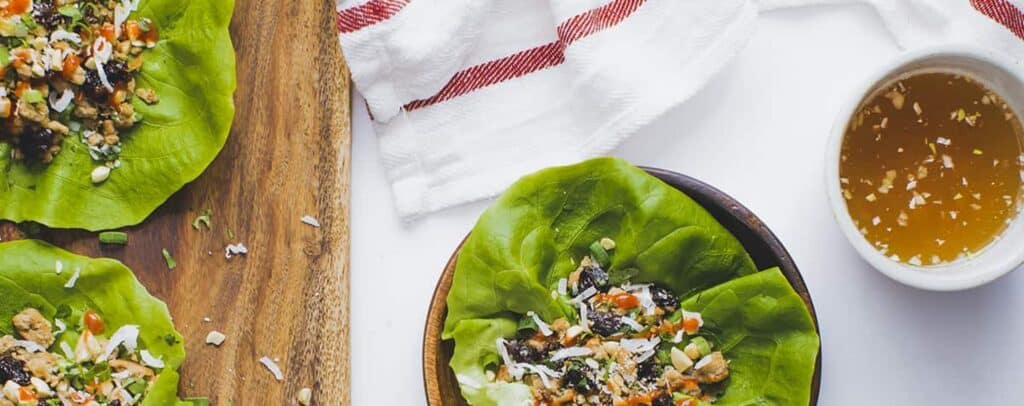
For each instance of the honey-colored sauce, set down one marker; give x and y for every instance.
(930, 167)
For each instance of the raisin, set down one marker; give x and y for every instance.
(117, 73)
(648, 371)
(605, 323)
(593, 276)
(45, 13)
(663, 400)
(664, 298)
(576, 378)
(34, 142)
(13, 370)
(522, 352)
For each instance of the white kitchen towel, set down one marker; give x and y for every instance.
(468, 95)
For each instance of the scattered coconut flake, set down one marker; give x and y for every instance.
(645, 356)
(911, 185)
(235, 249)
(120, 16)
(513, 368)
(60, 267)
(66, 348)
(586, 294)
(639, 345)
(678, 337)
(563, 286)
(544, 328)
(584, 320)
(74, 278)
(875, 221)
(570, 352)
(215, 338)
(311, 221)
(543, 372)
(272, 366)
(62, 103)
(61, 327)
(633, 324)
(943, 140)
(947, 161)
(150, 360)
(29, 346)
(61, 35)
(121, 375)
(128, 335)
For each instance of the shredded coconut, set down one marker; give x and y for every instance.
(544, 328)
(30, 346)
(311, 221)
(570, 352)
(586, 294)
(272, 366)
(62, 103)
(150, 360)
(633, 324)
(128, 335)
(235, 249)
(74, 279)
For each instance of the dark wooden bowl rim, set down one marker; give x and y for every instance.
(764, 247)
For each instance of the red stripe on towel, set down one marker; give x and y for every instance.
(534, 59)
(1003, 12)
(367, 14)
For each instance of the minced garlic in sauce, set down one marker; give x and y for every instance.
(931, 167)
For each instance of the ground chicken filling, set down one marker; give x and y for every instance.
(96, 371)
(625, 344)
(68, 70)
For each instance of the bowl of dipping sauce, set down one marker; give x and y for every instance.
(925, 165)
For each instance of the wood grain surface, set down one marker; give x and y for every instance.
(287, 156)
(440, 383)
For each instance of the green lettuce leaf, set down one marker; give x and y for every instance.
(192, 69)
(29, 278)
(764, 329)
(533, 235)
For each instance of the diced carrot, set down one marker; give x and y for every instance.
(17, 6)
(26, 395)
(70, 65)
(22, 87)
(107, 31)
(132, 29)
(93, 322)
(690, 325)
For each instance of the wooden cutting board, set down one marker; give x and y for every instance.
(287, 156)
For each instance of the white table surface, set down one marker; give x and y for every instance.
(758, 132)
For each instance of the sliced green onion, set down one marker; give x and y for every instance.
(114, 237)
(170, 260)
(5, 56)
(599, 254)
(32, 96)
(203, 219)
(702, 345)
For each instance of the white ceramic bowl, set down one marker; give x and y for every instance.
(998, 73)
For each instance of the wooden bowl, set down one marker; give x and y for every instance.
(766, 250)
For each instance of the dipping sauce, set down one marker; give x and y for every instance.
(930, 167)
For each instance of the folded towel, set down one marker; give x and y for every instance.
(468, 95)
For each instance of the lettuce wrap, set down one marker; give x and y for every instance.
(29, 279)
(528, 239)
(192, 69)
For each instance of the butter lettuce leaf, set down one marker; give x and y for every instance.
(535, 233)
(29, 278)
(765, 331)
(192, 69)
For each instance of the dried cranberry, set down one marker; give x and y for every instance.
(45, 12)
(576, 377)
(13, 370)
(117, 73)
(648, 371)
(663, 400)
(605, 323)
(664, 298)
(522, 352)
(34, 142)
(593, 276)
